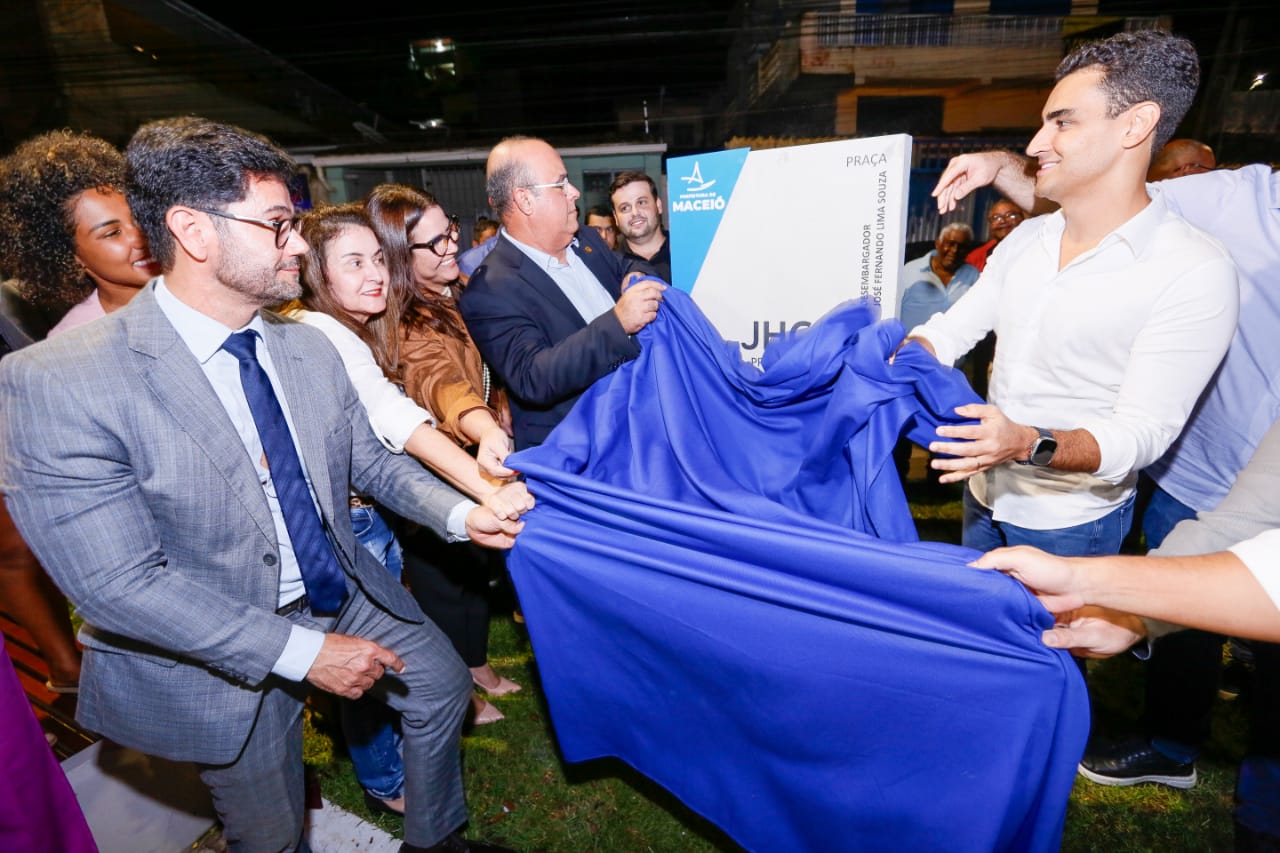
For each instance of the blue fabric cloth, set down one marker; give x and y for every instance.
(325, 583)
(721, 588)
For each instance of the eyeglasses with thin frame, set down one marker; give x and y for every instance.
(563, 185)
(439, 244)
(282, 227)
(1005, 217)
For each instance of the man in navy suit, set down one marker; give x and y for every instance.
(548, 309)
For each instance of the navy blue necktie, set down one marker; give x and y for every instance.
(326, 586)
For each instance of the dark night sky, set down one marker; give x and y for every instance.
(566, 62)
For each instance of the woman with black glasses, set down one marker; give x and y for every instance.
(444, 373)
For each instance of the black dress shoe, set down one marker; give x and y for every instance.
(455, 843)
(1134, 761)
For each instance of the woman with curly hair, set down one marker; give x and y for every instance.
(67, 236)
(66, 233)
(444, 373)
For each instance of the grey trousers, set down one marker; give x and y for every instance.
(259, 796)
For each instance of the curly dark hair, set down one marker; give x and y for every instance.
(39, 183)
(194, 162)
(1149, 65)
(395, 210)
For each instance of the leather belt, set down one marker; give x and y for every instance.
(296, 606)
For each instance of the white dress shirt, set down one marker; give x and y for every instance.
(575, 280)
(1119, 342)
(204, 336)
(1261, 555)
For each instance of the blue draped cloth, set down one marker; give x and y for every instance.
(723, 589)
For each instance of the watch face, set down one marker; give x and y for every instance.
(1042, 453)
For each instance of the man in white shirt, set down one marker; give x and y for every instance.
(1112, 314)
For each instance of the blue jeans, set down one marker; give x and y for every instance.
(1163, 513)
(377, 537)
(1093, 538)
(369, 725)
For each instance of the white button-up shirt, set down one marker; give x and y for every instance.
(1119, 342)
(204, 336)
(1261, 555)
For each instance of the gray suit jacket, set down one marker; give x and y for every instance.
(126, 477)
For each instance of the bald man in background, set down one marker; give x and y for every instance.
(1181, 157)
(548, 308)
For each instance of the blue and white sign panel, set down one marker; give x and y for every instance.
(768, 241)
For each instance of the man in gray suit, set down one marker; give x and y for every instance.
(182, 469)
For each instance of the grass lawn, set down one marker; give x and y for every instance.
(522, 795)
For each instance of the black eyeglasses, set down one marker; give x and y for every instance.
(282, 227)
(439, 245)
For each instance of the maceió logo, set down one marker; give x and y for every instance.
(696, 196)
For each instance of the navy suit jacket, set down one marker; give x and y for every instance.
(535, 340)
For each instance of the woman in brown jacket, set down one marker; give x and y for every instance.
(443, 372)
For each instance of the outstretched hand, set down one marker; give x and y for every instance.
(964, 174)
(992, 440)
(1095, 632)
(1052, 579)
(1058, 583)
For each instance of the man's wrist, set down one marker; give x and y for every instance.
(1010, 162)
(1084, 577)
(1027, 438)
(1041, 448)
(300, 652)
(456, 526)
